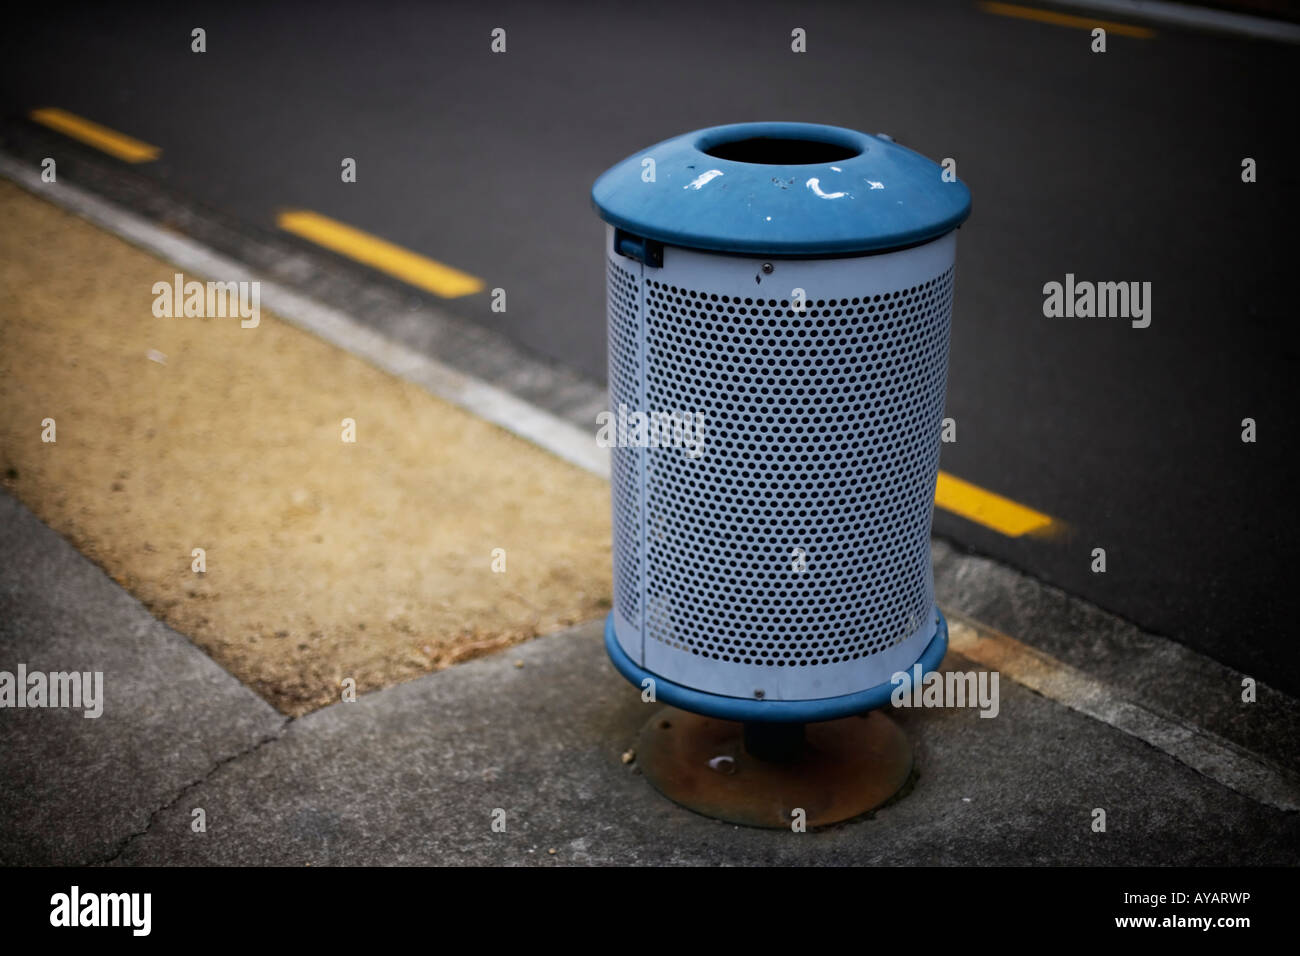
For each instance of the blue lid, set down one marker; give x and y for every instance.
(793, 189)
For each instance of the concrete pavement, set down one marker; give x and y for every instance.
(75, 790)
(412, 774)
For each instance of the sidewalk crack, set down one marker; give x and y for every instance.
(187, 788)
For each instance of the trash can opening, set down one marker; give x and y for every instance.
(780, 151)
(780, 145)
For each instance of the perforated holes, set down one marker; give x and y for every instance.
(821, 433)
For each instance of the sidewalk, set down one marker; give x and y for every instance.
(412, 774)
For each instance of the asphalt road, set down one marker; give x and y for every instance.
(1120, 166)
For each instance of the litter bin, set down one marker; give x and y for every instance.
(779, 306)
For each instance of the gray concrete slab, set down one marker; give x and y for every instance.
(74, 789)
(412, 775)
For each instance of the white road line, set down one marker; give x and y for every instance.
(488, 402)
(1208, 754)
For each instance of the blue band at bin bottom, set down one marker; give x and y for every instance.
(770, 711)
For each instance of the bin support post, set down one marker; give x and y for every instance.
(774, 775)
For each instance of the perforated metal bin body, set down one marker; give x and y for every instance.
(783, 572)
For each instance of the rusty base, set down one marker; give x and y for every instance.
(844, 768)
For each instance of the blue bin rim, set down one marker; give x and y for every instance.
(770, 711)
(884, 197)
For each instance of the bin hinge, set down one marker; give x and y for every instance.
(646, 251)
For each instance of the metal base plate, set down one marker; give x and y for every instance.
(846, 768)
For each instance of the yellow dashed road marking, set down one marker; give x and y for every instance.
(101, 137)
(991, 510)
(380, 254)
